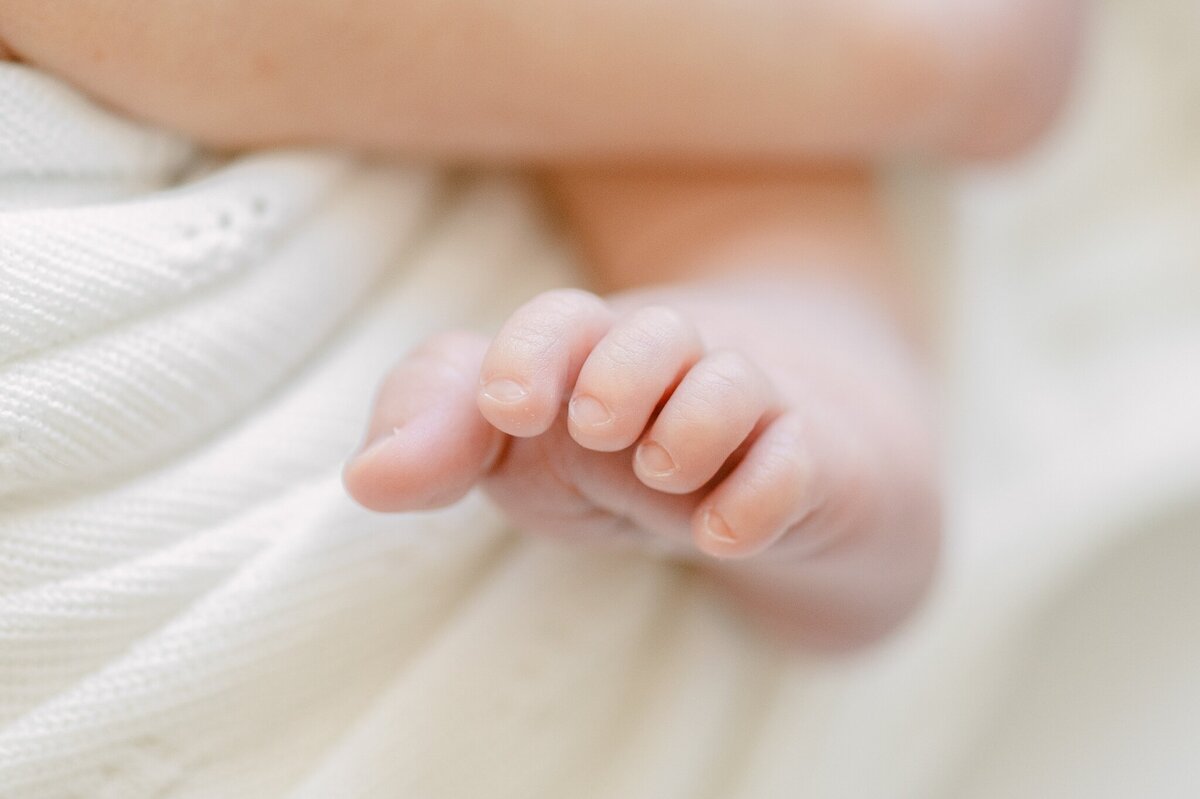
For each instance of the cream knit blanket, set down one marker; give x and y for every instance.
(190, 607)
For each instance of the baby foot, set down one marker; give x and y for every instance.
(780, 446)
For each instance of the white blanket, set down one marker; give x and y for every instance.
(190, 607)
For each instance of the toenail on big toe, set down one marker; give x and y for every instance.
(505, 391)
(375, 444)
(655, 460)
(589, 412)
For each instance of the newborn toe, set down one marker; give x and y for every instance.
(718, 404)
(627, 375)
(427, 443)
(536, 357)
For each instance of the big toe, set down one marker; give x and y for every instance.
(427, 443)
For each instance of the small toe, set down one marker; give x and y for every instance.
(628, 374)
(719, 403)
(536, 357)
(774, 488)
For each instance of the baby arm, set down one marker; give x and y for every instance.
(765, 412)
(552, 82)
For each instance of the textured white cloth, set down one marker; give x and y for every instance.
(190, 607)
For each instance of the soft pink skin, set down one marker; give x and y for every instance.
(827, 497)
(553, 83)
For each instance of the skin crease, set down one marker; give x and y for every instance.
(773, 255)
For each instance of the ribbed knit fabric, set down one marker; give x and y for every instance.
(191, 607)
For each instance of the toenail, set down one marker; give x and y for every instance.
(505, 391)
(375, 444)
(589, 412)
(383, 438)
(655, 461)
(717, 528)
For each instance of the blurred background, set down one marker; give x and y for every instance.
(1078, 382)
